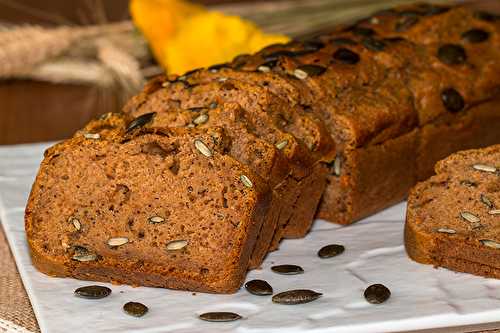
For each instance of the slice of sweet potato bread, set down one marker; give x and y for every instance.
(453, 218)
(156, 207)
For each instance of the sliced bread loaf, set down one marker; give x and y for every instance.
(146, 206)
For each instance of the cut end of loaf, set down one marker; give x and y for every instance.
(151, 209)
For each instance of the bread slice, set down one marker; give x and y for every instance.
(263, 158)
(453, 218)
(148, 206)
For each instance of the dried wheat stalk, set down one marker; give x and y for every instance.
(126, 68)
(68, 70)
(22, 48)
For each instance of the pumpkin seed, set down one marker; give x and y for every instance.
(346, 56)
(485, 168)
(343, 41)
(446, 231)
(297, 296)
(140, 121)
(337, 165)
(469, 217)
(377, 293)
(177, 245)
(330, 251)
(263, 69)
(452, 100)
(494, 212)
(373, 44)
(219, 316)
(312, 70)
(201, 119)
(76, 223)
(406, 23)
(468, 183)
(287, 269)
(117, 241)
(94, 136)
(246, 181)
(475, 36)
(202, 148)
(135, 309)
(300, 74)
(282, 144)
(156, 219)
(487, 201)
(82, 254)
(93, 292)
(259, 287)
(490, 243)
(362, 31)
(452, 54)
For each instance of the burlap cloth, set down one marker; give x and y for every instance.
(15, 307)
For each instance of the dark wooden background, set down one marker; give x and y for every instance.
(37, 111)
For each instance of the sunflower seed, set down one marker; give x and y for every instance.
(135, 309)
(94, 136)
(202, 148)
(330, 251)
(177, 245)
(246, 181)
(263, 69)
(287, 269)
(377, 293)
(76, 223)
(93, 292)
(156, 219)
(140, 121)
(337, 165)
(282, 144)
(469, 217)
(494, 212)
(117, 241)
(219, 316)
(201, 119)
(485, 168)
(300, 74)
(487, 201)
(298, 296)
(446, 231)
(259, 287)
(490, 243)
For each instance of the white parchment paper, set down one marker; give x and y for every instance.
(422, 296)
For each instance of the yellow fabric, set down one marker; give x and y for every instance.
(184, 36)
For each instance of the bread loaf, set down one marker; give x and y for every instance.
(354, 117)
(453, 218)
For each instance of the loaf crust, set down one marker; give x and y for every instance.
(437, 232)
(375, 83)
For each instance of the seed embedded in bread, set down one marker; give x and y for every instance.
(202, 148)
